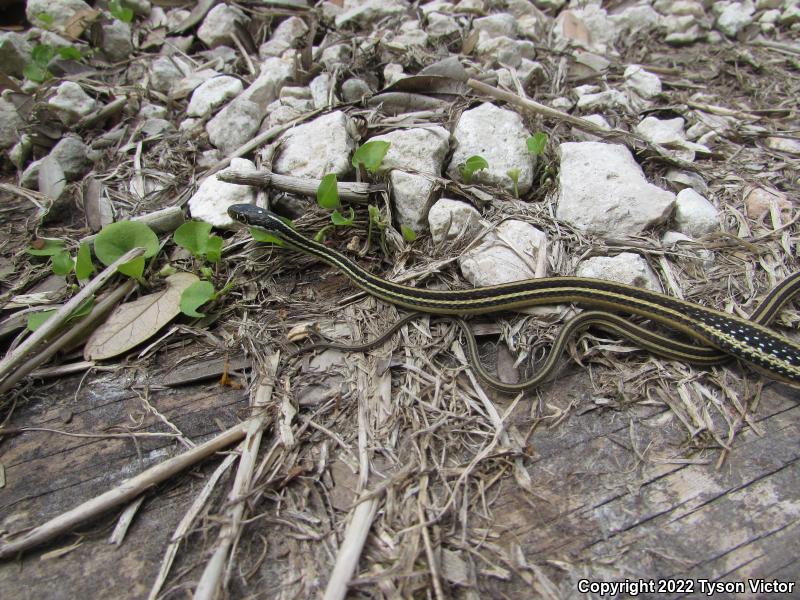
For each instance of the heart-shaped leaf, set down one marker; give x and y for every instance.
(195, 296)
(327, 192)
(371, 155)
(116, 239)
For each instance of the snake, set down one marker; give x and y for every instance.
(716, 335)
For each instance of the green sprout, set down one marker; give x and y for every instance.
(471, 166)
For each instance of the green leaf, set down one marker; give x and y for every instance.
(193, 235)
(34, 72)
(37, 319)
(472, 165)
(83, 263)
(46, 247)
(514, 175)
(70, 53)
(133, 268)
(340, 220)
(122, 13)
(62, 263)
(328, 193)
(409, 234)
(214, 248)
(194, 296)
(260, 235)
(536, 143)
(42, 54)
(322, 233)
(371, 155)
(45, 18)
(116, 239)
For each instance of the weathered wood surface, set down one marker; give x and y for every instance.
(599, 511)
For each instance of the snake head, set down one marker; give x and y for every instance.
(254, 216)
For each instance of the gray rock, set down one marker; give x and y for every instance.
(317, 148)
(11, 124)
(15, 53)
(234, 125)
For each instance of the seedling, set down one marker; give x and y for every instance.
(41, 55)
(514, 175)
(536, 143)
(371, 155)
(471, 166)
(122, 13)
(195, 236)
(37, 319)
(116, 239)
(409, 234)
(328, 198)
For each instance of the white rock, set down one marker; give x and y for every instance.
(211, 94)
(392, 73)
(440, 26)
(735, 17)
(695, 215)
(333, 56)
(496, 25)
(603, 191)
(234, 125)
(62, 12)
(116, 39)
(770, 16)
(153, 127)
(477, 7)
(644, 83)
(354, 89)
(782, 144)
(316, 148)
(186, 85)
(285, 36)
(639, 17)
(368, 11)
(320, 90)
(71, 103)
(449, 219)
(585, 136)
(407, 40)
(790, 14)
(211, 200)
(11, 124)
(661, 131)
(15, 52)
(681, 7)
(605, 100)
(417, 149)
(601, 31)
(511, 252)
(220, 23)
(274, 74)
(165, 71)
(74, 157)
(626, 267)
(499, 136)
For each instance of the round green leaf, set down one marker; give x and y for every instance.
(116, 239)
(42, 54)
(473, 164)
(340, 220)
(69, 53)
(214, 248)
(37, 319)
(371, 155)
(46, 247)
(193, 235)
(194, 296)
(62, 263)
(83, 263)
(34, 72)
(327, 192)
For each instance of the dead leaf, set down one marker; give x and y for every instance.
(574, 29)
(80, 22)
(134, 322)
(96, 205)
(51, 178)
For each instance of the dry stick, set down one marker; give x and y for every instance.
(186, 523)
(210, 582)
(363, 514)
(348, 190)
(124, 492)
(68, 337)
(15, 358)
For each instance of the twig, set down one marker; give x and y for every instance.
(15, 358)
(67, 338)
(210, 582)
(352, 191)
(121, 494)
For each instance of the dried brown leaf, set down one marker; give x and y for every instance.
(134, 322)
